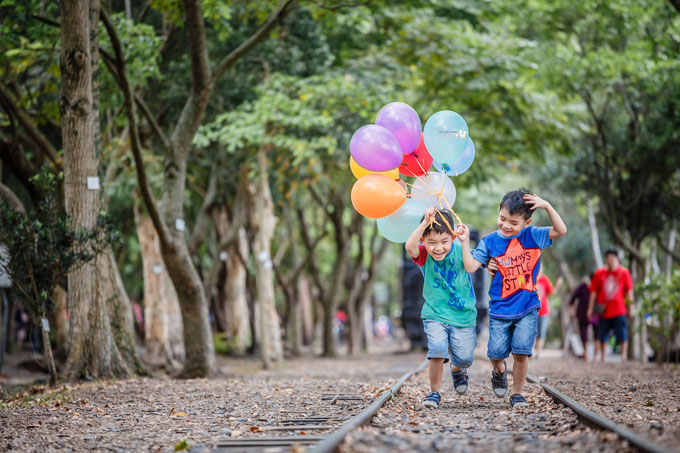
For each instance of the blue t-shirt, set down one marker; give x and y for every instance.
(513, 289)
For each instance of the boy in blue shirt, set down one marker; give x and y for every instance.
(513, 307)
(449, 313)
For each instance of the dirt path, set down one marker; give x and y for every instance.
(157, 414)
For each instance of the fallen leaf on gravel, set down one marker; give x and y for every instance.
(256, 429)
(303, 433)
(172, 411)
(181, 414)
(181, 446)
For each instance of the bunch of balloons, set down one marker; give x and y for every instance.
(395, 146)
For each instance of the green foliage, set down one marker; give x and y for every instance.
(29, 59)
(141, 50)
(619, 87)
(661, 300)
(43, 248)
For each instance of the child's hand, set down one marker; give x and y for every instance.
(492, 267)
(463, 232)
(429, 214)
(536, 202)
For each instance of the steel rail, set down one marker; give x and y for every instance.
(595, 420)
(334, 439)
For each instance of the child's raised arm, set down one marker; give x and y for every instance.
(471, 264)
(413, 240)
(558, 227)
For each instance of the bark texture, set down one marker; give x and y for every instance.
(232, 292)
(163, 335)
(93, 296)
(268, 330)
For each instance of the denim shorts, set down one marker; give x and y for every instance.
(619, 324)
(543, 322)
(512, 335)
(444, 341)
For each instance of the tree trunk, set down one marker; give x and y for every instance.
(358, 306)
(654, 267)
(162, 317)
(306, 309)
(668, 259)
(268, 330)
(294, 335)
(329, 343)
(637, 329)
(565, 271)
(61, 321)
(594, 235)
(94, 349)
(47, 352)
(197, 333)
(335, 293)
(232, 296)
(294, 323)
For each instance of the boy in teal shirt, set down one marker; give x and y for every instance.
(449, 313)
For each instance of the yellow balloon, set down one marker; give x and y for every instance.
(358, 171)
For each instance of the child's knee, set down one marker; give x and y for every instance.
(520, 357)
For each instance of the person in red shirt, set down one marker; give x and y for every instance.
(545, 291)
(611, 286)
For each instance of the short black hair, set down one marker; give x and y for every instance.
(515, 204)
(611, 251)
(439, 226)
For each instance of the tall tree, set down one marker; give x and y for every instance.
(169, 220)
(99, 346)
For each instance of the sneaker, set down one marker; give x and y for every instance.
(432, 401)
(499, 382)
(460, 381)
(517, 401)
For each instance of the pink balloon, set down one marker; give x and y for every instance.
(403, 122)
(375, 148)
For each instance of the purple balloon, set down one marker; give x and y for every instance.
(403, 122)
(375, 148)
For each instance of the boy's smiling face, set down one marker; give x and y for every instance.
(511, 224)
(438, 245)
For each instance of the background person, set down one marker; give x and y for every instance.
(611, 287)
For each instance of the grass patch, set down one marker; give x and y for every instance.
(35, 395)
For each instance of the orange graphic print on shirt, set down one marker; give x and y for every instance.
(516, 267)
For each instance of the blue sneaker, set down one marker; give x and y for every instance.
(460, 381)
(432, 401)
(499, 382)
(517, 401)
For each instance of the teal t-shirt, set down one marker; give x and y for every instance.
(448, 293)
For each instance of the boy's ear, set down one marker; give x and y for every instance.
(527, 222)
(422, 239)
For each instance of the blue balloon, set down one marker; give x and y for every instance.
(397, 227)
(460, 165)
(446, 136)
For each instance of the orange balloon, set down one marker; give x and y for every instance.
(375, 196)
(359, 172)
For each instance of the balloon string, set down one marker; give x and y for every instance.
(433, 220)
(421, 167)
(452, 211)
(427, 186)
(437, 194)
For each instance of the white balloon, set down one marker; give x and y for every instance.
(433, 189)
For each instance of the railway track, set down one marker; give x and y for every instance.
(477, 421)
